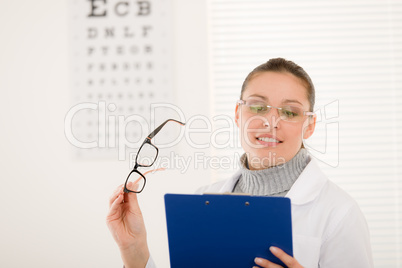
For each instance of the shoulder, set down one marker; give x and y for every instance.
(345, 224)
(328, 215)
(334, 196)
(337, 202)
(333, 208)
(339, 206)
(328, 197)
(313, 186)
(326, 203)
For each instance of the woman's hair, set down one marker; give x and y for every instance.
(281, 65)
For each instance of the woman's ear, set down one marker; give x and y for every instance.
(309, 126)
(237, 114)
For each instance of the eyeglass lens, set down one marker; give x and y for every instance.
(146, 155)
(288, 113)
(135, 182)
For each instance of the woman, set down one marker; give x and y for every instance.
(274, 115)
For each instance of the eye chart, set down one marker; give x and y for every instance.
(121, 65)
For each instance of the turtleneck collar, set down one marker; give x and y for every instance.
(274, 181)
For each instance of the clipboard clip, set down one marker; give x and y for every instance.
(228, 193)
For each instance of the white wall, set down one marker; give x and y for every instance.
(53, 207)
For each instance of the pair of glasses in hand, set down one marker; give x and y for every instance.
(146, 157)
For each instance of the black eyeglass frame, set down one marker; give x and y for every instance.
(136, 166)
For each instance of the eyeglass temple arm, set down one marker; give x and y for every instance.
(153, 133)
(310, 113)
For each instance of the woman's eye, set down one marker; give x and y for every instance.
(289, 114)
(258, 108)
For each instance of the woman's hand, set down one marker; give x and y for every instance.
(280, 254)
(127, 226)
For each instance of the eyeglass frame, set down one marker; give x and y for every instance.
(305, 113)
(136, 166)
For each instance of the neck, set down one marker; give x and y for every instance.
(276, 180)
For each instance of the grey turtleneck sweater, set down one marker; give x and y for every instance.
(274, 181)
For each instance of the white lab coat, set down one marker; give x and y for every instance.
(329, 230)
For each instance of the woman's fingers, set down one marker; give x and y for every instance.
(115, 208)
(132, 200)
(285, 258)
(121, 202)
(280, 254)
(116, 193)
(266, 263)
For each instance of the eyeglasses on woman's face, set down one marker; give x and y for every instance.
(287, 113)
(146, 157)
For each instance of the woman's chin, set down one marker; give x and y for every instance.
(263, 161)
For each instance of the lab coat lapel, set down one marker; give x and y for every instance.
(308, 185)
(229, 184)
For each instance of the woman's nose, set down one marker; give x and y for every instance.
(273, 117)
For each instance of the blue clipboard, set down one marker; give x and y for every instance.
(226, 230)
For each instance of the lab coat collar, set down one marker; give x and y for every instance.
(309, 184)
(304, 190)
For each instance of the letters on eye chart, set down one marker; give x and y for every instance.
(121, 54)
(103, 8)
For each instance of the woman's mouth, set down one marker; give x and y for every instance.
(268, 141)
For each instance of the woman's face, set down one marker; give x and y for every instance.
(279, 142)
